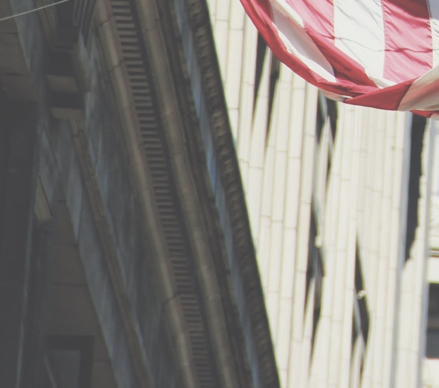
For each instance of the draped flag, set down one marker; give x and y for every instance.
(377, 53)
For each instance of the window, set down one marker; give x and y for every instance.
(417, 137)
(361, 310)
(326, 121)
(327, 114)
(260, 57)
(274, 69)
(314, 277)
(432, 349)
(69, 361)
(360, 325)
(73, 22)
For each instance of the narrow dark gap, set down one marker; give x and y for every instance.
(432, 343)
(361, 297)
(274, 77)
(417, 137)
(260, 55)
(331, 106)
(314, 272)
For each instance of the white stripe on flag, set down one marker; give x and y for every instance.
(359, 33)
(297, 42)
(433, 6)
(423, 94)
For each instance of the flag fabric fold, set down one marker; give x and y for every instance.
(376, 53)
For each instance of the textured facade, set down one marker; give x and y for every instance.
(126, 256)
(338, 199)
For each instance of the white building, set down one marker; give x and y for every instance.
(431, 363)
(341, 237)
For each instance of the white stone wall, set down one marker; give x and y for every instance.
(354, 186)
(430, 375)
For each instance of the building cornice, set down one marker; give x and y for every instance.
(228, 167)
(178, 52)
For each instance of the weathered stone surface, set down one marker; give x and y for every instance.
(111, 266)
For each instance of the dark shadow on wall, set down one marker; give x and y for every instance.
(417, 136)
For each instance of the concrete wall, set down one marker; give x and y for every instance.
(84, 164)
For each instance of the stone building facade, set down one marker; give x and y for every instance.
(126, 257)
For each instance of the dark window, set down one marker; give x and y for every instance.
(361, 308)
(326, 113)
(354, 333)
(333, 115)
(260, 56)
(69, 361)
(314, 273)
(261, 52)
(326, 110)
(320, 120)
(360, 315)
(417, 136)
(73, 21)
(432, 349)
(274, 77)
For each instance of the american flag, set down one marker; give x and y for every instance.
(377, 53)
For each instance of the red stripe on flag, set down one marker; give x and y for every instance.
(318, 18)
(350, 77)
(408, 39)
(387, 99)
